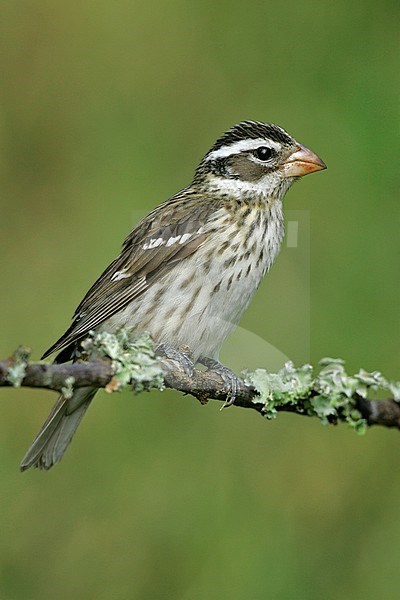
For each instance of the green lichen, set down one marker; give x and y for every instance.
(133, 360)
(330, 395)
(280, 389)
(16, 372)
(68, 389)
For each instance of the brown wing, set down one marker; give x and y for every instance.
(167, 236)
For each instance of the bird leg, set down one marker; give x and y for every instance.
(181, 356)
(230, 379)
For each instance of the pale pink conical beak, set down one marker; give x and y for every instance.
(302, 162)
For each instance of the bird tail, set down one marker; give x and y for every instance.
(50, 444)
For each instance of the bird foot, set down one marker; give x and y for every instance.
(182, 357)
(230, 379)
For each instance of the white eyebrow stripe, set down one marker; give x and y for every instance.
(242, 146)
(153, 243)
(120, 275)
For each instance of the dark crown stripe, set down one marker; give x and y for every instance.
(252, 130)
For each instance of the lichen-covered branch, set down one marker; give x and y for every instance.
(114, 362)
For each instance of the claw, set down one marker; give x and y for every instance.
(230, 379)
(182, 358)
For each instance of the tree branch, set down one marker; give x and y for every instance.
(306, 395)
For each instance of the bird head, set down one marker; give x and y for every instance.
(255, 158)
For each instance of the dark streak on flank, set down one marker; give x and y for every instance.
(223, 247)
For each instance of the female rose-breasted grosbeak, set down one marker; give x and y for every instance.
(189, 269)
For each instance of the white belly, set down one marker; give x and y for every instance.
(206, 295)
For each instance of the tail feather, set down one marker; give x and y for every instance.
(50, 444)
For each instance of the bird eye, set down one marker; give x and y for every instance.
(263, 153)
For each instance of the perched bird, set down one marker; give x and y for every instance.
(187, 271)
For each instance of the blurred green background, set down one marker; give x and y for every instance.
(106, 108)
